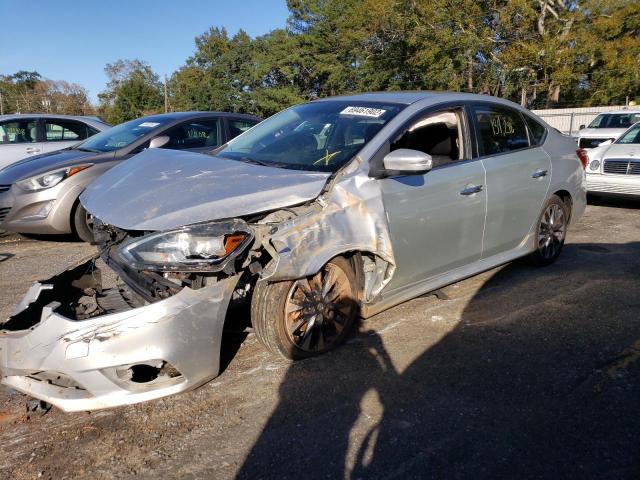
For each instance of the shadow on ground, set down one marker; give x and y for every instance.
(537, 380)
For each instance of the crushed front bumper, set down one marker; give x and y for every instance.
(119, 358)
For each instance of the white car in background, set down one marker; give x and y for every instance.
(606, 126)
(614, 167)
(25, 135)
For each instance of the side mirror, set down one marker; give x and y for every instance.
(159, 141)
(581, 127)
(408, 161)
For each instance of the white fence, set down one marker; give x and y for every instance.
(568, 120)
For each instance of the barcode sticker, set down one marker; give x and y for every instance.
(363, 111)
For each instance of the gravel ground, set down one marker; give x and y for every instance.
(520, 373)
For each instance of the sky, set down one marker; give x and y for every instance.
(73, 40)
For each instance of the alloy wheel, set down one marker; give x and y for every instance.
(319, 308)
(552, 231)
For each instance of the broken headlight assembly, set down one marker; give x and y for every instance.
(195, 248)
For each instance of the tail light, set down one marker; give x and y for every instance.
(584, 159)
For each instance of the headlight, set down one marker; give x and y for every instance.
(594, 165)
(195, 248)
(50, 179)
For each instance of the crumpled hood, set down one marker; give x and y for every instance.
(601, 132)
(163, 189)
(44, 163)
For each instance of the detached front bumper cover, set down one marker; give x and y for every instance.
(128, 356)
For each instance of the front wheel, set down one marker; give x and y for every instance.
(82, 223)
(306, 317)
(551, 232)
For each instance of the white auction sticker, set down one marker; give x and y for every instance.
(148, 124)
(363, 111)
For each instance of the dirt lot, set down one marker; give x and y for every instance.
(522, 372)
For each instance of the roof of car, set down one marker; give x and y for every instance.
(409, 97)
(623, 111)
(50, 115)
(182, 115)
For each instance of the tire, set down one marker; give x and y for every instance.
(551, 231)
(322, 309)
(81, 226)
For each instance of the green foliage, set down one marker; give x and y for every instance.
(133, 90)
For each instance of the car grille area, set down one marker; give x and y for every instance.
(621, 166)
(592, 142)
(3, 213)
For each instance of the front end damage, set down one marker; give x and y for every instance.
(95, 337)
(80, 346)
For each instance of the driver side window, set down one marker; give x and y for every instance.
(439, 134)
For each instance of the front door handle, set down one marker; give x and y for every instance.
(32, 150)
(539, 174)
(471, 189)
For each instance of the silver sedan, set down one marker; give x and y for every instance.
(326, 212)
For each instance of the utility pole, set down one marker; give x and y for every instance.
(166, 97)
(1, 105)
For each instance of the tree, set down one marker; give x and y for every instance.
(133, 90)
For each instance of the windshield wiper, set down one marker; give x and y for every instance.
(257, 162)
(84, 149)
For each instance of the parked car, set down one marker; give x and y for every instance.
(606, 126)
(614, 167)
(40, 194)
(325, 212)
(26, 135)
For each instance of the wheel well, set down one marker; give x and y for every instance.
(566, 198)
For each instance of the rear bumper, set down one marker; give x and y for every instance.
(622, 184)
(121, 358)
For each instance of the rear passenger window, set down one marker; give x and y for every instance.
(65, 131)
(195, 134)
(500, 130)
(236, 127)
(536, 130)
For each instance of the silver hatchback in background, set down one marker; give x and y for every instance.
(326, 212)
(25, 135)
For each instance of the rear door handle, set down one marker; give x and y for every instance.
(471, 189)
(539, 174)
(32, 150)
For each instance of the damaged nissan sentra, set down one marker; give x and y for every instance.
(324, 213)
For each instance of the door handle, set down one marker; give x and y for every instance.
(32, 150)
(539, 174)
(471, 189)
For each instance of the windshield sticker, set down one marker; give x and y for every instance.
(148, 125)
(363, 111)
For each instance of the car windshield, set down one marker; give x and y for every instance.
(318, 136)
(121, 135)
(615, 120)
(630, 136)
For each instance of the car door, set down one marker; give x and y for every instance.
(518, 175)
(18, 140)
(436, 219)
(62, 133)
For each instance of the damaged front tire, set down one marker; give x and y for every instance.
(306, 317)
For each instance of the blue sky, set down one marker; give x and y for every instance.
(73, 40)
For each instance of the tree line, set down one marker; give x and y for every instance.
(540, 53)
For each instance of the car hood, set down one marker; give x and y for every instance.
(601, 132)
(164, 189)
(44, 163)
(622, 151)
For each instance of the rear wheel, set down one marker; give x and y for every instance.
(309, 316)
(551, 232)
(82, 223)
